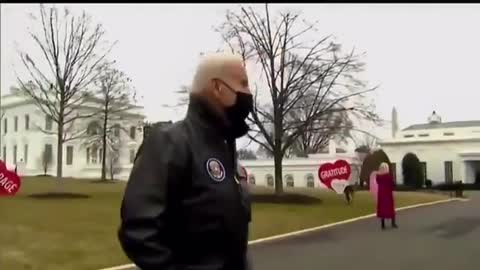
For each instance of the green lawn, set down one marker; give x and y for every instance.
(77, 234)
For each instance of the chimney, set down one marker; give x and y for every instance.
(394, 122)
(332, 147)
(434, 118)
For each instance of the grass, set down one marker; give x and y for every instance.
(80, 233)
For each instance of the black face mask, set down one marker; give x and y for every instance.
(238, 112)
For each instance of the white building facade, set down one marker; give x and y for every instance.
(299, 172)
(23, 143)
(449, 151)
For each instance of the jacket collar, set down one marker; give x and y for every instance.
(203, 116)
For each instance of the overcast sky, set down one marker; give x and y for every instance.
(424, 57)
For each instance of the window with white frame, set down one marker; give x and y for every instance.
(289, 180)
(133, 132)
(116, 130)
(88, 155)
(25, 153)
(69, 155)
(94, 155)
(270, 180)
(48, 122)
(251, 179)
(27, 122)
(310, 180)
(15, 154)
(93, 128)
(15, 123)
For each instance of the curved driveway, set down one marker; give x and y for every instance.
(438, 237)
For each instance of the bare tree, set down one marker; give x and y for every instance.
(320, 131)
(113, 156)
(263, 152)
(183, 98)
(72, 49)
(246, 154)
(292, 67)
(365, 142)
(115, 97)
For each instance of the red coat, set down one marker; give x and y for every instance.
(385, 201)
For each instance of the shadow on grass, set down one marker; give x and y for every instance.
(58, 195)
(44, 176)
(104, 181)
(285, 199)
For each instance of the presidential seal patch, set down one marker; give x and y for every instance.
(215, 169)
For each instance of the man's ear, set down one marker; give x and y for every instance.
(219, 86)
(215, 85)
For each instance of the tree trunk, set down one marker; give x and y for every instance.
(111, 170)
(277, 151)
(60, 149)
(104, 149)
(278, 157)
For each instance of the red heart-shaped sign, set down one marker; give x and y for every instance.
(340, 170)
(9, 181)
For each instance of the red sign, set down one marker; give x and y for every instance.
(335, 176)
(242, 173)
(9, 181)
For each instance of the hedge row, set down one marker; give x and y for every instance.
(457, 186)
(440, 187)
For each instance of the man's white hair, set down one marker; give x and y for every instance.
(212, 66)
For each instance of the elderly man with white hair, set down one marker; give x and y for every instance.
(183, 206)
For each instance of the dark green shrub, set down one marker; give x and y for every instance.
(456, 186)
(412, 171)
(371, 163)
(405, 188)
(471, 186)
(428, 183)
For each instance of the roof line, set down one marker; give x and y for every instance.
(452, 124)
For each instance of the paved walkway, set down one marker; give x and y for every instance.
(438, 237)
(444, 236)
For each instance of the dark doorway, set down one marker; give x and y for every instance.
(475, 171)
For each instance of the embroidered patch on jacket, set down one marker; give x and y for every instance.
(215, 169)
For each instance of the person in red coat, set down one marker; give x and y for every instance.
(385, 201)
